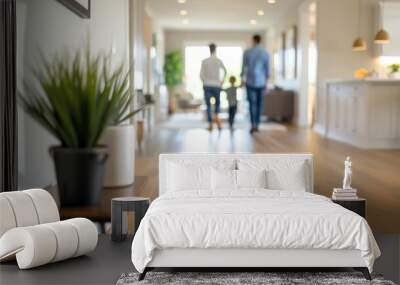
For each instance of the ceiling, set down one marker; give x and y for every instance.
(219, 14)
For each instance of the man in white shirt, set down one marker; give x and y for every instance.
(212, 74)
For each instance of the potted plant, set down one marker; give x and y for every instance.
(394, 71)
(173, 75)
(75, 98)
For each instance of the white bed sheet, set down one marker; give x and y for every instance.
(252, 218)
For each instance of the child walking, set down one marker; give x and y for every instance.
(232, 100)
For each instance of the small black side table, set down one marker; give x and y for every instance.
(358, 205)
(121, 210)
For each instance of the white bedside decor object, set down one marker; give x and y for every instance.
(347, 173)
(31, 231)
(346, 192)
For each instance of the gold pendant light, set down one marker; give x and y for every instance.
(382, 36)
(359, 43)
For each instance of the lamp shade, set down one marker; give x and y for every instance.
(359, 45)
(382, 37)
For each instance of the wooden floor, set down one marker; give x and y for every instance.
(376, 173)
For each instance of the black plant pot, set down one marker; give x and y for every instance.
(79, 174)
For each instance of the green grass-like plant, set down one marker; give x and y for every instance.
(76, 98)
(173, 68)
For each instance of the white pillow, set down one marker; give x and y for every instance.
(282, 174)
(290, 179)
(251, 179)
(223, 179)
(183, 177)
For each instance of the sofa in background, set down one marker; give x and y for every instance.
(279, 105)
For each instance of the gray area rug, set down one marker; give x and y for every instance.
(233, 278)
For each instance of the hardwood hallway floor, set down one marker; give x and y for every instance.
(376, 173)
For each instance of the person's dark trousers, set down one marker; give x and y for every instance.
(232, 114)
(255, 97)
(212, 92)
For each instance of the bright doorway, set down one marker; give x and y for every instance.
(230, 55)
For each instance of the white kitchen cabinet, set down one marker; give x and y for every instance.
(365, 113)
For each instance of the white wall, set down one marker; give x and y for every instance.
(160, 108)
(49, 26)
(306, 77)
(138, 48)
(148, 43)
(160, 38)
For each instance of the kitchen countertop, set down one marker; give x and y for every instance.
(366, 80)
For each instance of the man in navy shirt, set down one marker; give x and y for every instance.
(255, 74)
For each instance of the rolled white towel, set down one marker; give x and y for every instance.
(33, 246)
(67, 240)
(7, 218)
(23, 209)
(45, 205)
(41, 244)
(87, 234)
(26, 208)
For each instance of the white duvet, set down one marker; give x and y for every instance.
(250, 219)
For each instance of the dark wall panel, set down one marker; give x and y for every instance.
(8, 100)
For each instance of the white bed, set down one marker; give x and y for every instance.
(202, 220)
